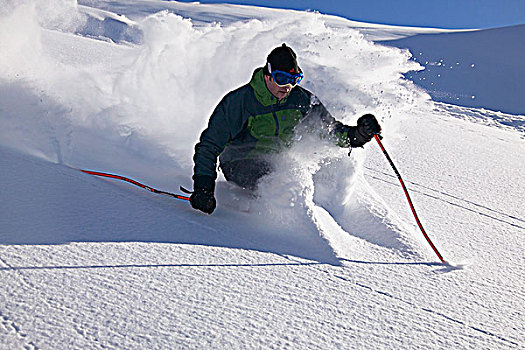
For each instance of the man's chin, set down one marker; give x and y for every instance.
(283, 95)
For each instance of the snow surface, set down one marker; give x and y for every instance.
(328, 257)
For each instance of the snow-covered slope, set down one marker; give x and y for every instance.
(328, 257)
(478, 68)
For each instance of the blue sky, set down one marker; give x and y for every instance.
(420, 13)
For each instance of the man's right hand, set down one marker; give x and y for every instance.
(202, 197)
(203, 200)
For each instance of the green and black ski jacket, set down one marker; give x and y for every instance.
(250, 122)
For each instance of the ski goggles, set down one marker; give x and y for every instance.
(283, 78)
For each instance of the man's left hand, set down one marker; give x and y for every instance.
(367, 127)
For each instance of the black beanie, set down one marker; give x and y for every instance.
(282, 58)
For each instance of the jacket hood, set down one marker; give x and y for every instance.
(263, 95)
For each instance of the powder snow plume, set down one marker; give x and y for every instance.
(134, 95)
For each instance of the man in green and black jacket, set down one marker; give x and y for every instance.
(257, 120)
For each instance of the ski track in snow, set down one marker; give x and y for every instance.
(449, 199)
(319, 261)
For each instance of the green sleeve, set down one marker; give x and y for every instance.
(343, 133)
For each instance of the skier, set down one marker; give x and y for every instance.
(257, 120)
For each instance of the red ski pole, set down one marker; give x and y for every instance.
(376, 136)
(136, 183)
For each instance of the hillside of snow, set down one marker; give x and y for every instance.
(328, 256)
(477, 68)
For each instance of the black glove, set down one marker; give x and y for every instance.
(202, 197)
(367, 127)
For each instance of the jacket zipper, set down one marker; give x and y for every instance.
(275, 119)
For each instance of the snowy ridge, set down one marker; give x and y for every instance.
(328, 256)
(483, 116)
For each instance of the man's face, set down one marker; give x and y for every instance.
(278, 91)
